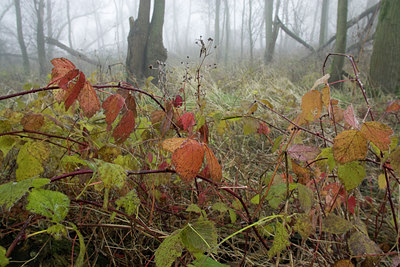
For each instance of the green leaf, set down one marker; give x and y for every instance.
(306, 197)
(6, 143)
(277, 143)
(11, 192)
(170, 249)
(200, 236)
(30, 159)
(193, 208)
(335, 224)
(57, 231)
(250, 126)
(255, 200)
(351, 174)
(73, 161)
(232, 215)
(281, 240)
(219, 206)
(360, 244)
(82, 247)
(395, 160)
(330, 161)
(277, 193)
(128, 162)
(303, 225)
(48, 203)
(3, 259)
(112, 175)
(205, 261)
(130, 202)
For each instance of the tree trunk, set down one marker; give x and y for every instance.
(216, 28)
(21, 41)
(385, 59)
(268, 10)
(49, 14)
(340, 47)
(227, 30)
(242, 30)
(39, 6)
(69, 26)
(155, 50)
(137, 40)
(251, 33)
(323, 31)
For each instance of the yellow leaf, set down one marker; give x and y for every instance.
(311, 105)
(172, 144)
(267, 103)
(326, 96)
(323, 80)
(252, 108)
(348, 146)
(382, 181)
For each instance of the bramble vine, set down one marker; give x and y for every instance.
(81, 157)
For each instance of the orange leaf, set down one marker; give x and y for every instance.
(311, 105)
(88, 100)
(73, 91)
(214, 168)
(378, 133)
(350, 117)
(156, 116)
(112, 106)
(32, 122)
(393, 106)
(204, 133)
(125, 127)
(303, 174)
(172, 144)
(348, 146)
(61, 67)
(325, 96)
(188, 159)
(338, 113)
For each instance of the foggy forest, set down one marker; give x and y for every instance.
(199, 133)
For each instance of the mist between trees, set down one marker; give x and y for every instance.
(100, 34)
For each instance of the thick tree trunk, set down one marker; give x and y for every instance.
(49, 14)
(340, 47)
(385, 59)
(250, 25)
(21, 41)
(268, 11)
(137, 40)
(155, 50)
(39, 6)
(69, 26)
(323, 31)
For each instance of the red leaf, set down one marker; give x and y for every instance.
(73, 91)
(112, 106)
(88, 100)
(178, 101)
(351, 204)
(69, 76)
(163, 165)
(187, 121)
(263, 129)
(303, 152)
(61, 67)
(125, 127)
(350, 117)
(204, 133)
(131, 104)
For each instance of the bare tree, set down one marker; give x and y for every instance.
(21, 41)
(227, 30)
(323, 31)
(216, 27)
(39, 8)
(268, 11)
(340, 46)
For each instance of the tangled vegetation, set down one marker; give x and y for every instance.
(216, 172)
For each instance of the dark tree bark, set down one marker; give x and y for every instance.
(385, 59)
(39, 7)
(21, 41)
(49, 27)
(340, 47)
(323, 31)
(155, 50)
(137, 40)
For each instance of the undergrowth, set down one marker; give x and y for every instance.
(208, 168)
